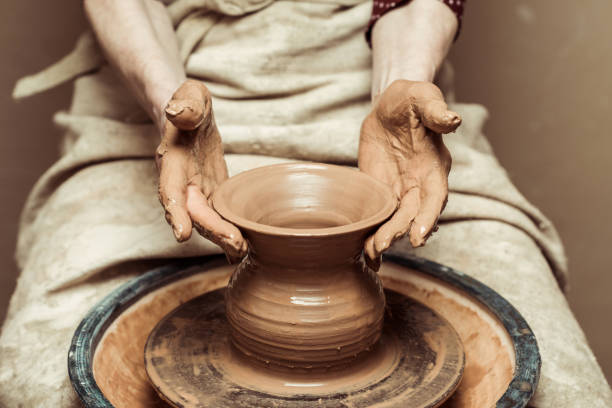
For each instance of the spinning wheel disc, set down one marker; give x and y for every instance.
(418, 362)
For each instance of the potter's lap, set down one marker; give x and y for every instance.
(36, 337)
(103, 215)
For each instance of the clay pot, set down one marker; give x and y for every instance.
(303, 296)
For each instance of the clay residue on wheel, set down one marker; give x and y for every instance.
(489, 355)
(118, 363)
(418, 363)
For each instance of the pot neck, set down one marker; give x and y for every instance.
(305, 252)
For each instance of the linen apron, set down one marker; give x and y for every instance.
(290, 81)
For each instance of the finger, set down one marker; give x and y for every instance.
(372, 260)
(210, 225)
(436, 116)
(172, 195)
(433, 199)
(185, 114)
(395, 228)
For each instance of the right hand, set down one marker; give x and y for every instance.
(191, 166)
(401, 145)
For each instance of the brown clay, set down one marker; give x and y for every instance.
(418, 362)
(118, 364)
(490, 355)
(303, 297)
(401, 145)
(119, 367)
(191, 165)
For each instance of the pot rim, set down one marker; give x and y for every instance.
(222, 208)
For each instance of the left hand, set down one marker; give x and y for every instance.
(401, 145)
(191, 166)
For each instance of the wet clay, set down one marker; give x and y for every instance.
(119, 367)
(417, 363)
(191, 166)
(401, 145)
(490, 363)
(303, 297)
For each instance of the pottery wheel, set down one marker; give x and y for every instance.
(190, 362)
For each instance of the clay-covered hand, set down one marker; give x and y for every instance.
(191, 165)
(401, 145)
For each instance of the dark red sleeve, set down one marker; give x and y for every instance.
(380, 7)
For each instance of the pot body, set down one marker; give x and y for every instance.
(304, 301)
(303, 297)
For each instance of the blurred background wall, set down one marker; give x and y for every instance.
(543, 69)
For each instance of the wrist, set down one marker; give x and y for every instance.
(410, 42)
(394, 71)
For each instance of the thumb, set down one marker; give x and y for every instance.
(436, 116)
(185, 114)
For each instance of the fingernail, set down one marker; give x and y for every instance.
(174, 110)
(416, 242)
(380, 246)
(453, 118)
(236, 247)
(178, 231)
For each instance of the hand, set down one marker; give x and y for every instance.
(401, 145)
(191, 166)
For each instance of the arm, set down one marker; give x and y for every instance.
(400, 141)
(139, 42)
(411, 43)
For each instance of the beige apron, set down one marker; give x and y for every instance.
(290, 80)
